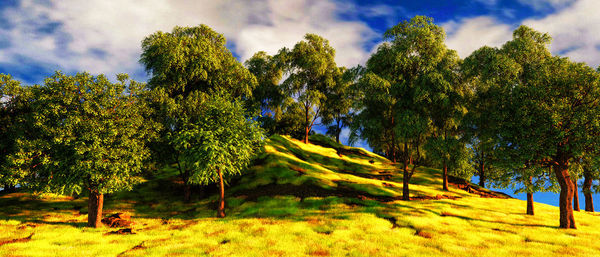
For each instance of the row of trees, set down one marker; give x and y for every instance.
(515, 113)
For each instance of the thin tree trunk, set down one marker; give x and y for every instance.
(405, 177)
(445, 176)
(530, 203)
(338, 131)
(307, 126)
(482, 171)
(221, 211)
(587, 191)
(95, 204)
(561, 170)
(575, 197)
(187, 192)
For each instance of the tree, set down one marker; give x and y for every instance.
(183, 64)
(431, 72)
(219, 144)
(312, 71)
(341, 97)
(194, 58)
(548, 115)
(87, 133)
(14, 109)
(267, 96)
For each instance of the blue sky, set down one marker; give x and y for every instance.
(38, 37)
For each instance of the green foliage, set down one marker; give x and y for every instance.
(312, 72)
(340, 100)
(14, 110)
(221, 138)
(86, 132)
(194, 58)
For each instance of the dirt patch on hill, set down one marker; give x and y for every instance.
(473, 189)
(18, 240)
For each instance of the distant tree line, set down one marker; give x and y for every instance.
(516, 115)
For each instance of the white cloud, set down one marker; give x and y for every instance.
(105, 36)
(574, 31)
(468, 35)
(541, 5)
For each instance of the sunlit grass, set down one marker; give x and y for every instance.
(293, 225)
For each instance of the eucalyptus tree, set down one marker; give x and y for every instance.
(488, 73)
(430, 73)
(86, 133)
(312, 72)
(405, 79)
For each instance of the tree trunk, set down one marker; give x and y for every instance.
(187, 192)
(338, 131)
(445, 177)
(482, 173)
(95, 203)
(307, 126)
(221, 211)
(561, 170)
(405, 177)
(575, 197)
(587, 191)
(530, 203)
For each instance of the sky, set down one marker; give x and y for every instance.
(38, 37)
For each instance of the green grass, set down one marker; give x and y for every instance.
(298, 200)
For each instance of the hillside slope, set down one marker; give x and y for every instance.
(320, 199)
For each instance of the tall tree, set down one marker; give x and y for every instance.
(87, 134)
(547, 116)
(432, 72)
(312, 72)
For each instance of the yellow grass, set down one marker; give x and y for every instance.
(289, 225)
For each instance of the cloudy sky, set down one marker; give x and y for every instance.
(38, 37)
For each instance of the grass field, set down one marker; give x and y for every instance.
(320, 199)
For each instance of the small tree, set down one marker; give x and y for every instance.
(86, 134)
(340, 99)
(219, 144)
(312, 72)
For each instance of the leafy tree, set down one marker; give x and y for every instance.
(194, 58)
(548, 114)
(267, 96)
(340, 99)
(14, 109)
(431, 73)
(191, 68)
(87, 134)
(220, 143)
(312, 73)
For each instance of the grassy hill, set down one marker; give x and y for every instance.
(321, 199)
